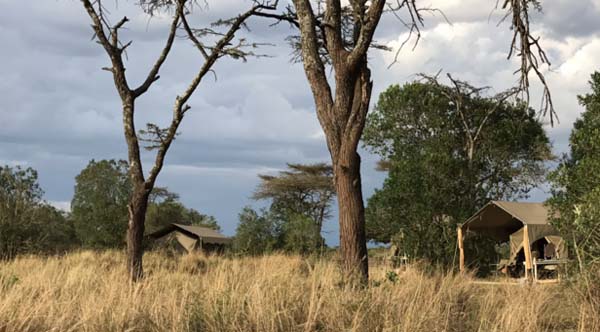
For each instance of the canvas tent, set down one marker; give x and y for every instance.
(522, 224)
(192, 238)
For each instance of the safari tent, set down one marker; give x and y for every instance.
(193, 238)
(525, 226)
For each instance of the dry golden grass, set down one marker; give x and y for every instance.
(88, 291)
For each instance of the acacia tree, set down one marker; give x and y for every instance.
(340, 37)
(219, 45)
(302, 190)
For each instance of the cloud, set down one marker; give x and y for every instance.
(563, 18)
(58, 109)
(61, 205)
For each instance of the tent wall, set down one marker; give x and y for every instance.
(559, 244)
(536, 232)
(190, 244)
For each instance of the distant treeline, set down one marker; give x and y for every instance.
(98, 216)
(442, 163)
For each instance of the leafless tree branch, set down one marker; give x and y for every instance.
(527, 47)
(153, 74)
(222, 48)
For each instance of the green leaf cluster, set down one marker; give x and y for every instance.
(99, 206)
(27, 223)
(575, 183)
(300, 201)
(446, 157)
(268, 231)
(257, 233)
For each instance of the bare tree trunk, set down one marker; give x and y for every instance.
(138, 202)
(138, 205)
(352, 217)
(161, 138)
(342, 112)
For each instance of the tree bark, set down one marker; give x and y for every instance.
(135, 233)
(138, 202)
(352, 217)
(342, 111)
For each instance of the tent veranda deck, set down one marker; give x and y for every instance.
(519, 223)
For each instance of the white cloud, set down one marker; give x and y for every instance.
(14, 163)
(58, 109)
(61, 205)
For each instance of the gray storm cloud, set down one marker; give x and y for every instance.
(58, 109)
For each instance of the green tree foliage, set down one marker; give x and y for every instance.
(99, 205)
(448, 150)
(27, 223)
(165, 208)
(576, 181)
(300, 235)
(257, 233)
(301, 200)
(302, 190)
(54, 230)
(268, 230)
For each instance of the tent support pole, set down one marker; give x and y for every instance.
(461, 250)
(527, 249)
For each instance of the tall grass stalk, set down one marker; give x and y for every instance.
(89, 291)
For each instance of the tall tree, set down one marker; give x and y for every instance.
(159, 139)
(302, 190)
(20, 194)
(99, 206)
(448, 150)
(576, 181)
(27, 222)
(340, 36)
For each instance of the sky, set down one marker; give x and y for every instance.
(59, 110)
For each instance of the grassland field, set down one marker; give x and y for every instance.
(89, 291)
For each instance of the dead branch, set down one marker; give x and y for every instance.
(221, 48)
(462, 89)
(527, 47)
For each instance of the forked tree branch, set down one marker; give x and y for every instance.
(461, 89)
(527, 47)
(161, 139)
(181, 107)
(193, 38)
(153, 74)
(367, 30)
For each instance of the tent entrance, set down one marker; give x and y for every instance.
(524, 226)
